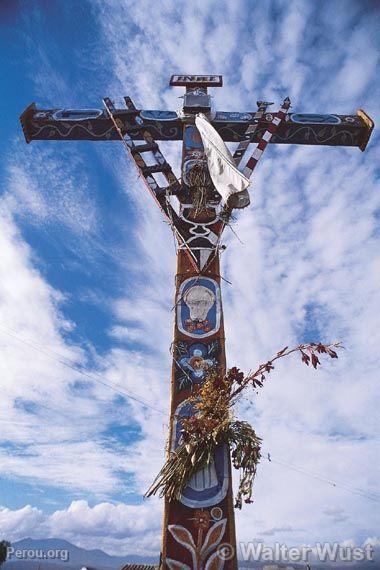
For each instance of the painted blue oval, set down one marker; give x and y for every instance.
(158, 115)
(207, 497)
(77, 114)
(314, 119)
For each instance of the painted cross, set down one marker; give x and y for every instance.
(199, 529)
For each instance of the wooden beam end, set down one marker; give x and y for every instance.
(369, 125)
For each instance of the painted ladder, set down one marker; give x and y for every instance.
(267, 135)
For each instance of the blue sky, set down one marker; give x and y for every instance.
(87, 264)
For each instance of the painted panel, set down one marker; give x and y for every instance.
(314, 119)
(198, 307)
(233, 116)
(76, 114)
(158, 115)
(193, 361)
(209, 485)
(193, 152)
(192, 138)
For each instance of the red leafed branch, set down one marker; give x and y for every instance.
(309, 354)
(213, 424)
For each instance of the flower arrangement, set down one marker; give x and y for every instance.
(213, 424)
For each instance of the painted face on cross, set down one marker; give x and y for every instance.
(199, 299)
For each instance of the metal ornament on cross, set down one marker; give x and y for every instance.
(198, 529)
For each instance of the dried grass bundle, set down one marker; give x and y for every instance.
(212, 425)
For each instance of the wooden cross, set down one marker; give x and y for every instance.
(199, 529)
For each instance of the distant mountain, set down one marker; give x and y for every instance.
(78, 557)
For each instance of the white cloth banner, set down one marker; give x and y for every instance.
(228, 180)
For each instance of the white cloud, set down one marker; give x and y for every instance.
(48, 188)
(120, 529)
(20, 522)
(59, 430)
(337, 513)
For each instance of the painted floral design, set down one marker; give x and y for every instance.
(193, 326)
(201, 519)
(203, 549)
(193, 361)
(216, 513)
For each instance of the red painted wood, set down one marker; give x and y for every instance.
(175, 512)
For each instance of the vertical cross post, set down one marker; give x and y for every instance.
(199, 529)
(206, 506)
